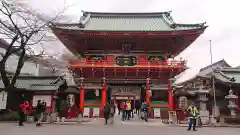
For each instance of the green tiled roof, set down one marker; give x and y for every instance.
(226, 74)
(95, 21)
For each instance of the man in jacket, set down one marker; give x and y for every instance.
(193, 113)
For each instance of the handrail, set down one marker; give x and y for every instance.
(114, 63)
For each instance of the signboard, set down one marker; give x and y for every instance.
(86, 112)
(96, 112)
(126, 98)
(45, 98)
(3, 100)
(157, 113)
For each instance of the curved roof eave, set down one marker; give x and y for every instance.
(65, 27)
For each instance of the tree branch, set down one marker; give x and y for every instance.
(19, 67)
(24, 28)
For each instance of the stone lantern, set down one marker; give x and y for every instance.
(202, 98)
(232, 103)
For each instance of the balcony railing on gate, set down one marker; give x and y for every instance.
(115, 63)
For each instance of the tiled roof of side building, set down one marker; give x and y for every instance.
(33, 82)
(156, 21)
(228, 74)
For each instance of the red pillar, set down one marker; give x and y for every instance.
(82, 99)
(86, 59)
(104, 95)
(51, 105)
(170, 96)
(147, 92)
(165, 60)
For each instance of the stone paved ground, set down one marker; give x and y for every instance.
(92, 129)
(96, 127)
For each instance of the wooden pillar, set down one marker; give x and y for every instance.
(51, 105)
(82, 99)
(170, 95)
(104, 92)
(81, 106)
(165, 60)
(104, 96)
(86, 59)
(147, 91)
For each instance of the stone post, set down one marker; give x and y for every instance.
(204, 113)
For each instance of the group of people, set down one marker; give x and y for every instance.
(38, 114)
(128, 109)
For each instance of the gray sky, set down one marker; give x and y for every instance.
(221, 16)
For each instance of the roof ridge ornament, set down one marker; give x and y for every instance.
(127, 14)
(84, 19)
(168, 19)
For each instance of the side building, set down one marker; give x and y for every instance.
(39, 79)
(220, 78)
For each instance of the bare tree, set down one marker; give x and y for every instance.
(23, 28)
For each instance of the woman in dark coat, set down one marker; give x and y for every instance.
(107, 109)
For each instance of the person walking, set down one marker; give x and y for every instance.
(38, 112)
(128, 105)
(144, 111)
(112, 111)
(193, 113)
(107, 109)
(137, 107)
(22, 112)
(119, 108)
(132, 109)
(124, 111)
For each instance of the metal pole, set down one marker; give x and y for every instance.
(210, 43)
(213, 81)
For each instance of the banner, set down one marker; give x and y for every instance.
(157, 113)
(3, 100)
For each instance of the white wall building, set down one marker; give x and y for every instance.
(30, 67)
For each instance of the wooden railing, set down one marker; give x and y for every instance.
(104, 63)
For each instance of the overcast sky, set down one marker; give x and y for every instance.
(222, 16)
